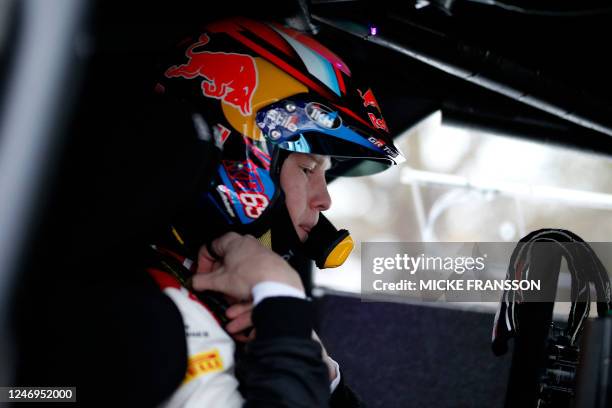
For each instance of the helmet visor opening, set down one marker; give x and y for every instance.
(299, 124)
(348, 159)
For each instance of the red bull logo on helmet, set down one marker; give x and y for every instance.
(230, 77)
(369, 99)
(379, 123)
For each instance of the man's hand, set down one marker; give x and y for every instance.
(331, 367)
(240, 313)
(243, 263)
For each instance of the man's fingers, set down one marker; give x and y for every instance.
(210, 281)
(221, 281)
(252, 335)
(205, 261)
(239, 323)
(215, 251)
(323, 350)
(237, 309)
(241, 338)
(222, 244)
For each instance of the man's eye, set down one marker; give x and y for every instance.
(307, 170)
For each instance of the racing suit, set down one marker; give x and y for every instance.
(281, 367)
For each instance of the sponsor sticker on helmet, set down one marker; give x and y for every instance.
(247, 187)
(226, 197)
(382, 145)
(323, 116)
(278, 117)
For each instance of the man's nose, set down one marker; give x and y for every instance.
(320, 198)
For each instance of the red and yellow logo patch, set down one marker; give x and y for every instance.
(203, 363)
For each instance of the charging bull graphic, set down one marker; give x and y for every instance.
(369, 99)
(229, 77)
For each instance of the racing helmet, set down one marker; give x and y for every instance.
(258, 92)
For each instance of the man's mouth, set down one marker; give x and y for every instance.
(305, 232)
(306, 228)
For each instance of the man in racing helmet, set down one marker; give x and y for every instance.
(283, 113)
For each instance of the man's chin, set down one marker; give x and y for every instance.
(302, 234)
